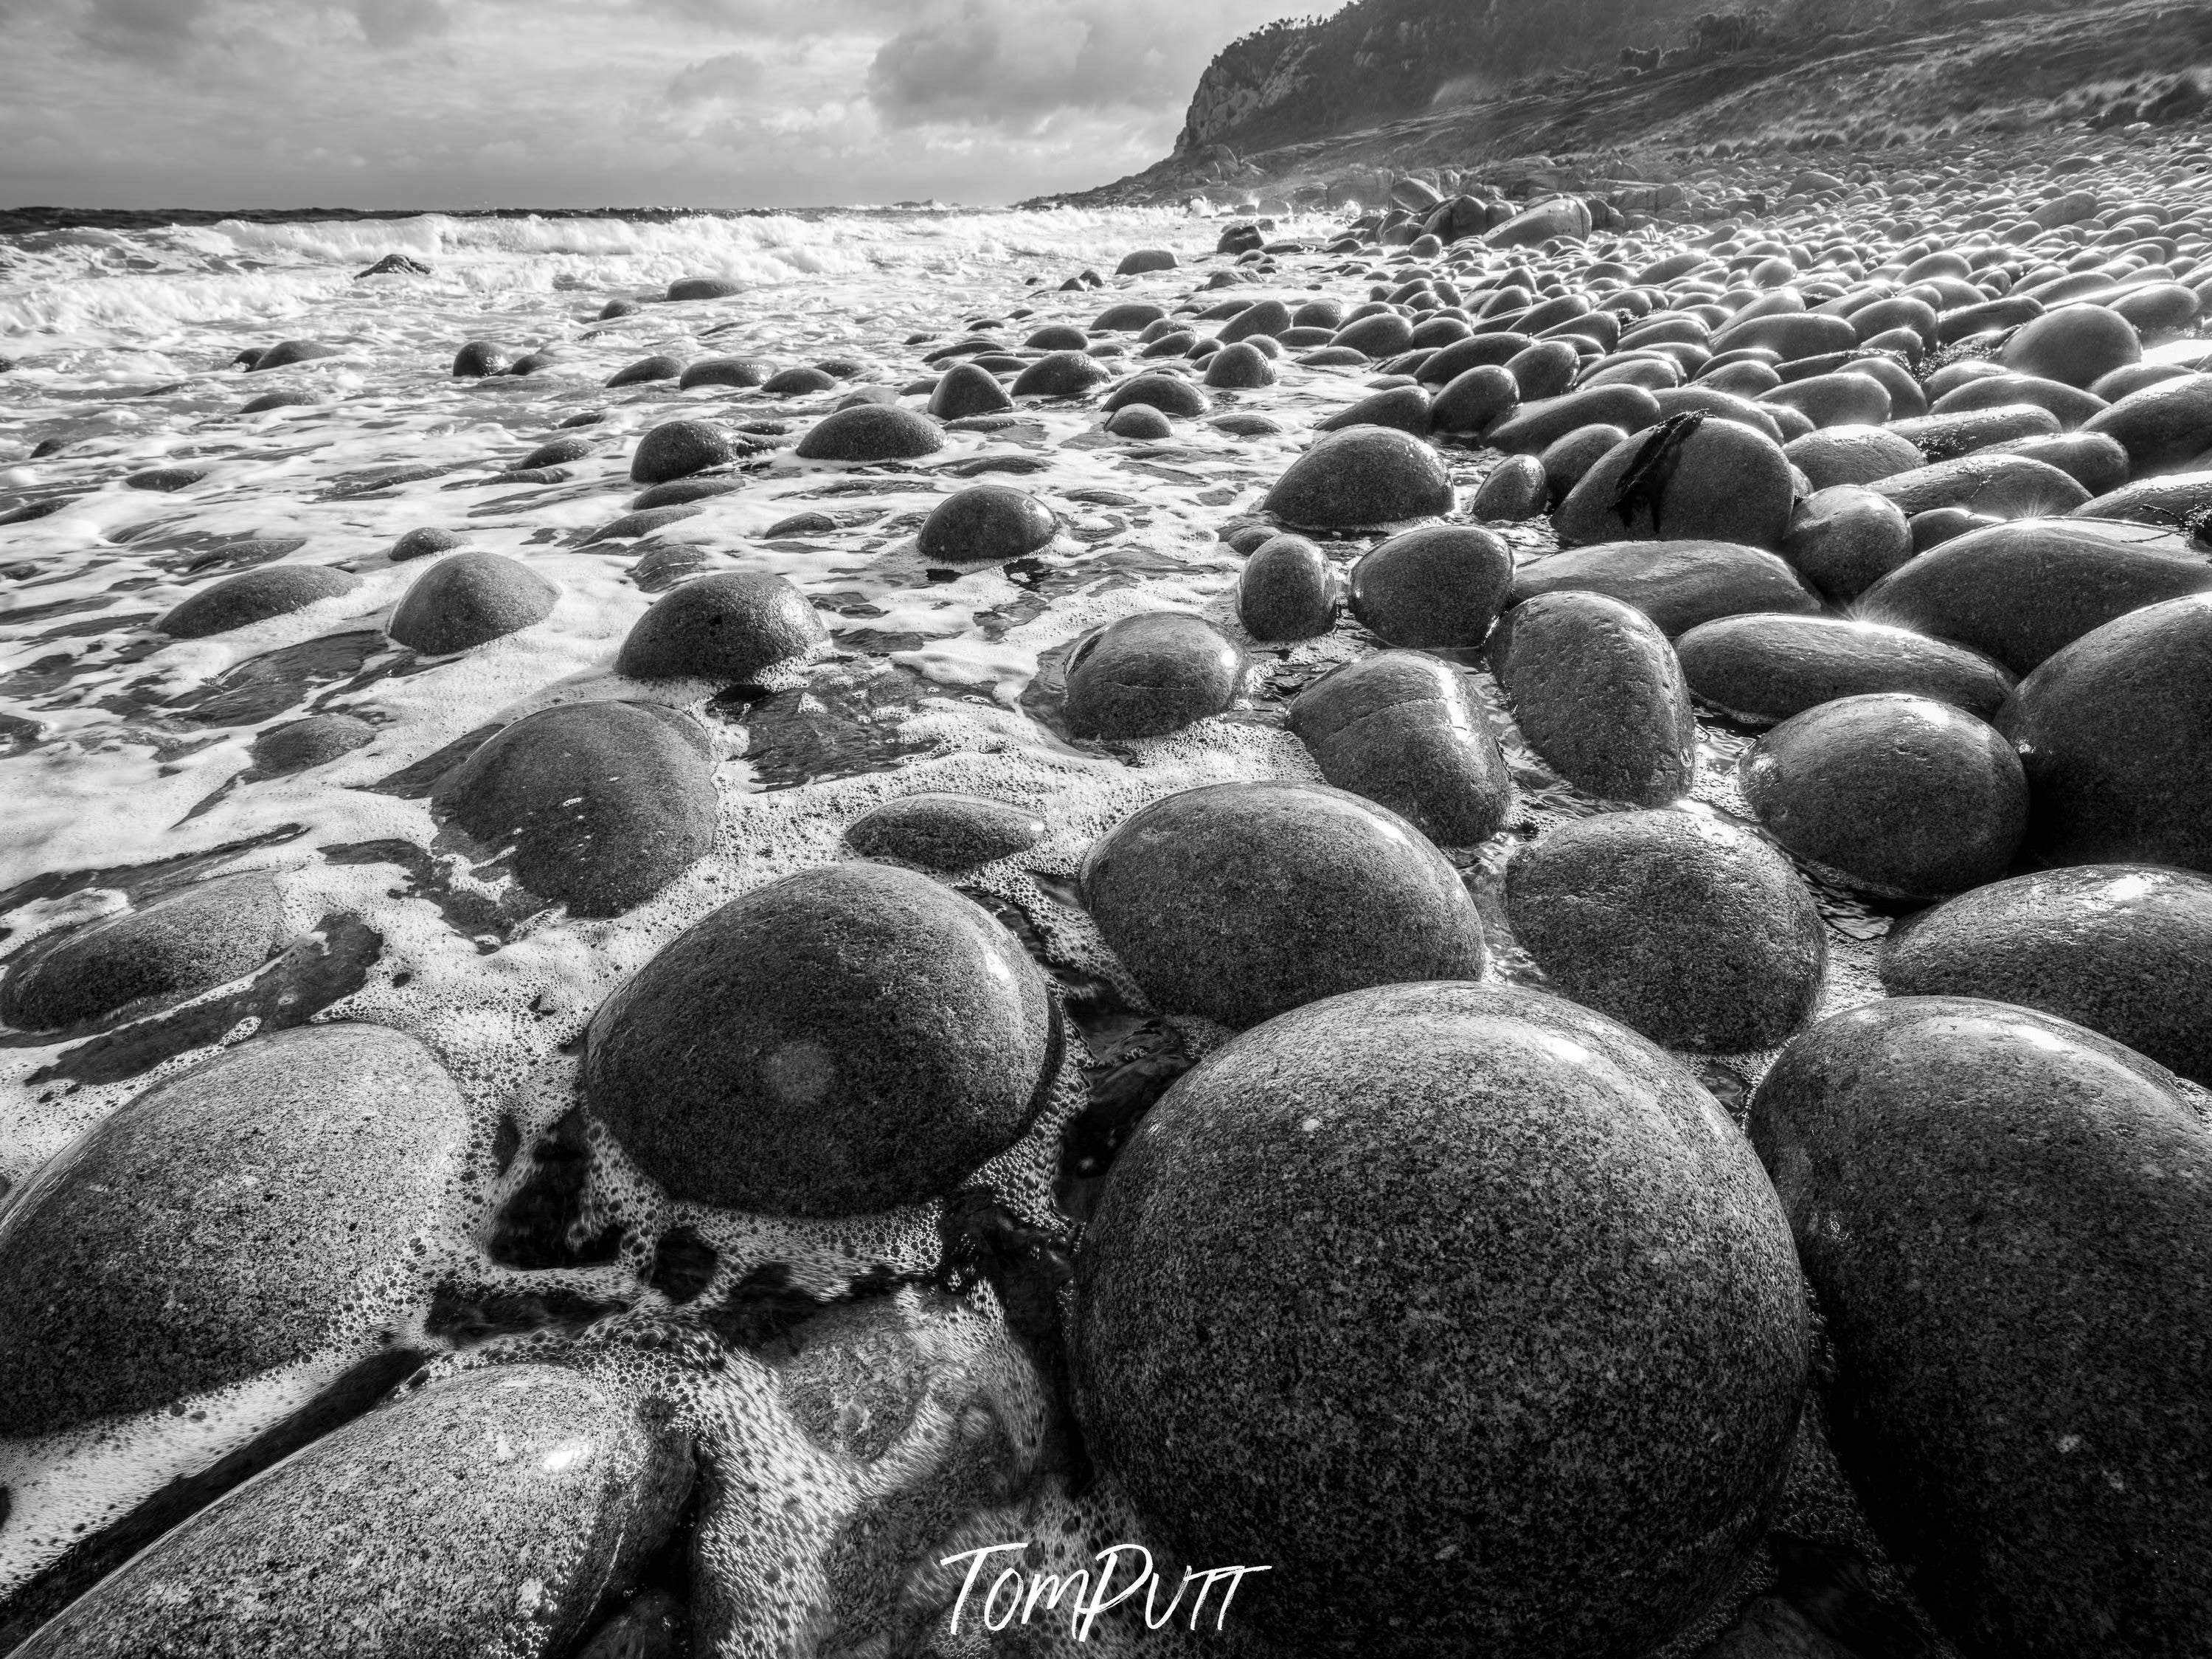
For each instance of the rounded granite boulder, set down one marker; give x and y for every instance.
(727, 627)
(313, 740)
(214, 1226)
(677, 449)
(2123, 948)
(1365, 477)
(1405, 729)
(1760, 669)
(1288, 591)
(1148, 675)
(253, 596)
(598, 806)
(1691, 477)
(966, 389)
(1677, 584)
(176, 945)
(987, 524)
(947, 833)
(871, 432)
(1464, 1309)
(1436, 586)
(2007, 1220)
(2075, 345)
(1241, 901)
(1597, 692)
(2115, 731)
(1170, 394)
(1846, 538)
(1681, 926)
(841, 1041)
(470, 599)
(1900, 796)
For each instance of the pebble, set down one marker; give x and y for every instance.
(841, 1041)
(871, 432)
(1542, 421)
(1438, 585)
(1288, 591)
(1365, 477)
(559, 452)
(703, 288)
(943, 833)
(1636, 1294)
(285, 353)
(1597, 692)
(646, 370)
(602, 804)
(2002, 486)
(2076, 345)
(1677, 584)
(470, 599)
(1241, 366)
(2164, 426)
(2019, 1391)
(2123, 949)
(1475, 401)
(1061, 375)
(1691, 478)
(987, 524)
(1683, 928)
(1141, 423)
(2116, 734)
(1846, 537)
(1515, 490)
(214, 1226)
(1241, 901)
(316, 740)
(1759, 670)
(254, 596)
(798, 381)
(422, 543)
(479, 358)
(1897, 795)
(1405, 730)
(175, 946)
(677, 449)
(1170, 394)
(488, 1513)
(741, 372)
(1151, 674)
(1851, 455)
(730, 628)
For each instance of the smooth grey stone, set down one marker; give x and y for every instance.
(743, 371)
(798, 381)
(1597, 693)
(1677, 584)
(1843, 398)
(486, 1514)
(1846, 538)
(2162, 427)
(682, 492)
(175, 946)
(871, 432)
(602, 804)
(646, 370)
(1968, 431)
(470, 600)
(1516, 491)
(1761, 669)
(1768, 419)
(2076, 346)
(1131, 315)
(216, 1227)
(559, 452)
(1539, 423)
(1404, 407)
(1900, 796)
(1170, 394)
(1061, 375)
(1436, 586)
(2007, 1219)
(1363, 479)
(1681, 926)
(944, 832)
(2020, 591)
(2116, 732)
(1567, 461)
(841, 1041)
(964, 390)
(2123, 948)
(1148, 675)
(641, 523)
(677, 449)
(1475, 400)
(1241, 901)
(730, 627)
(1848, 454)
(1269, 317)
(2092, 461)
(703, 288)
(1384, 334)
(987, 524)
(479, 358)
(1710, 481)
(1405, 730)
(2004, 486)
(1140, 421)
(1418, 1295)
(1288, 590)
(315, 740)
(2166, 502)
(253, 596)
(285, 353)
(1241, 366)
(2070, 404)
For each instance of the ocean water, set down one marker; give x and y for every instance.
(124, 755)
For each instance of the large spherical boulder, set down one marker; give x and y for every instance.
(967, 389)
(1677, 925)
(215, 1227)
(728, 626)
(677, 449)
(1363, 479)
(1439, 585)
(1151, 674)
(2116, 734)
(600, 804)
(1240, 901)
(871, 432)
(1404, 729)
(1598, 694)
(176, 945)
(1690, 478)
(2009, 1222)
(1466, 1310)
(1288, 591)
(1900, 796)
(2123, 948)
(841, 1041)
(468, 600)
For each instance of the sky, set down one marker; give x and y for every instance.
(570, 103)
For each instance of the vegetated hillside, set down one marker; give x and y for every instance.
(1380, 59)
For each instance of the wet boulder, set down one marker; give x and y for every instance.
(1759, 670)
(871, 432)
(468, 600)
(1241, 901)
(1239, 367)
(1363, 479)
(1681, 926)
(2000, 485)
(1061, 375)
(1171, 394)
(2075, 345)
(478, 359)
(2163, 427)
(841, 1041)
(677, 449)
(315, 740)
(1846, 538)
(1148, 675)
(1690, 478)
(966, 389)
(1405, 730)
(1597, 692)
(1517, 490)
(1475, 401)
(740, 372)
(944, 832)
(597, 805)
(1899, 795)
(1677, 584)
(1288, 591)
(646, 371)
(1851, 455)
(730, 627)
(987, 524)
(253, 596)
(1436, 586)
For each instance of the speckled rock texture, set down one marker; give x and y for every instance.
(254, 596)
(1677, 584)
(2007, 1220)
(944, 832)
(1241, 901)
(1762, 668)
(1406, 730)
(1679, 926)
(175, 946)
(1148, 675)
(1689, 478)
(214, 1226)
(486, 1515)
(1465, 1308)
(839, 1042)
(1597, 692)
(1363, 479)
(1438, 585)
(1288, 591)
(728, 626)
(470, 600)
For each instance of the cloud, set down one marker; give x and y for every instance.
(143, 29)
(400, 23)
(733, 75)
